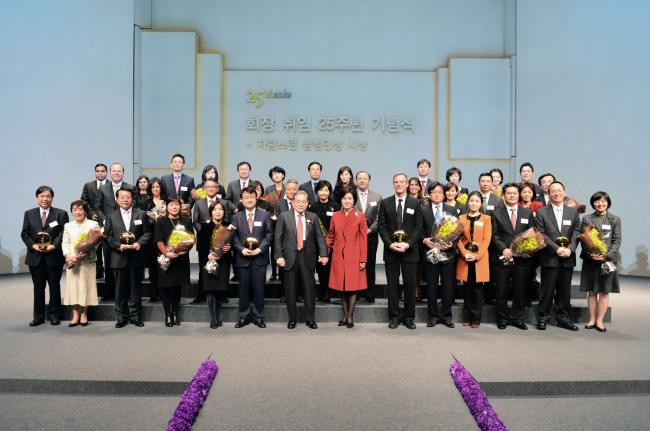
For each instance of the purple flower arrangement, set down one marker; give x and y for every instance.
(478, 404)
(193, 397)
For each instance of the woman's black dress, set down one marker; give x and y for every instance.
(217, 282)
(178, 273)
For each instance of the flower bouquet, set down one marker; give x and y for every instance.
(198, 194)
(179, 241)
(193, 398)
(87, 241)
(156, 213)
(449, 230)
(220, 237)
(527, 243)
(186, 210)
(592, 243)
(573, 203)
(462, 198)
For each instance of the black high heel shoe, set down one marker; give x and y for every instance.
(350, 325)
(72, 325)
(168, 321)
(342, 323)
(174, 319)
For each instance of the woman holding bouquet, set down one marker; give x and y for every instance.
(81, 284)
(592, 280)
(216, 284)
(349, 241)
(473, 266)
(178, 273)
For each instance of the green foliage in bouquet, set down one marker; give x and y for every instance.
(177, 236)
(529, 243)
(462, 198)
(202, 193)
(447, 228)
(595, 237)
(82, 237)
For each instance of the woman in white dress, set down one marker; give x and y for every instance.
(81, 285)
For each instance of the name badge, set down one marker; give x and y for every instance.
(566, 222)
(606, 226)
(183, 188)
(478, 223)
(257, 223)
(410, 210)
(329, 213)
(490, 207)
(458, 211)
(219, 196)
(524, 221)
(54, 224)
(137, 222)
(373, 204)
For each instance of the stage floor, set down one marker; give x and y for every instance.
(332, 378)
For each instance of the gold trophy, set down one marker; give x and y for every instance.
(400, 237)
(562, 241)
(127, 238)
(251, 243)
(472, 247)
(43, 239)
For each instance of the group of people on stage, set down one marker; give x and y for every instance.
(314, 227)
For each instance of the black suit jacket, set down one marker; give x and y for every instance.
(201, 213)
(281, 206)
(494, 202)
(32, 224)
(502, 231)
(139, 226)
(88, 195)
(263, 234)
(233, 194)
(547, 226)
(286, 239)
(310, 191)
(430, 226)
(185, 187)
(105, 202)
(412, 225)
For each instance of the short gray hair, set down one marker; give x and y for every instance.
(301, 193)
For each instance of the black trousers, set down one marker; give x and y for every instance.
(251, 276)
(300, 272)
(473, 306)
(555, 280)
(408, 277)
(371, 264)
(443, 273)
(50, 275)
(323, 272)
(171, 298)
(128, 292)
(520, 273)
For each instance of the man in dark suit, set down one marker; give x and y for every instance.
(88, 195)
(315, 170)
(201, 215)
(400, 212)
(368, 203)
(177, 182)
(544, 182)
(508, 222)
(105, 205)
(298, 244)
(233, 193)
(127, 261)
(557, 261)
(424, 167)
(251, 262)
(46, 264)
(444, 270)
(491, 202)
(526, 172)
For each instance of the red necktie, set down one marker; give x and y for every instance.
(424, 190)
(250, 222)
(177, 181)
(513, 218)
(300, 232)
(243, 185)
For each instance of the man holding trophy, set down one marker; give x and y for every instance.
(42, 233)
(127, 232)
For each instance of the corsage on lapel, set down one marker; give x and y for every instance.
(310, 221)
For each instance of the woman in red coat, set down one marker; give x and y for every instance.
(349, 240)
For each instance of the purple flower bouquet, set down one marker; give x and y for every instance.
(193, 397)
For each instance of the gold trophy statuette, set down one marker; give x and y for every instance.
(400, 237)
(251, 243)
(562, 241)
(127, 238)
(43, 239)
(472, 247)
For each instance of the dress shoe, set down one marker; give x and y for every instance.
(409, 324)
(311, 324)
(448, 323)
(226, 301)
(260, 323)
(394, 323)
(219, 323)
(350, 325)
(55, 321)
(567, 325)
(431, 323)
(273, 278)
(370, 300)
(213, 326)
(120, 324)
(291, 324)
(241, 323)
(342, 323)
(300, 299)
(501, 325)
(590, 326)
(72, 325)
(37, 322)
(283, 299)
(234, 278)
(168, 321)
(520, 325)
(153, 299)
(138, 323)
(174, 317)
(198, 300)
(84, 323)
(599, 329)
(541, 325)
(327, 300)
(475, 325)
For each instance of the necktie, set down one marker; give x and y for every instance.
(400, 217)
(250, 222)
(177, 181)
(438, 215)
(364, 200)
(290, 206)
(299, 232)
(243, 185)
(210, 202)
(558, 218)
(485, 201)
(513, 218)
(43, 218)
(424, 190)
